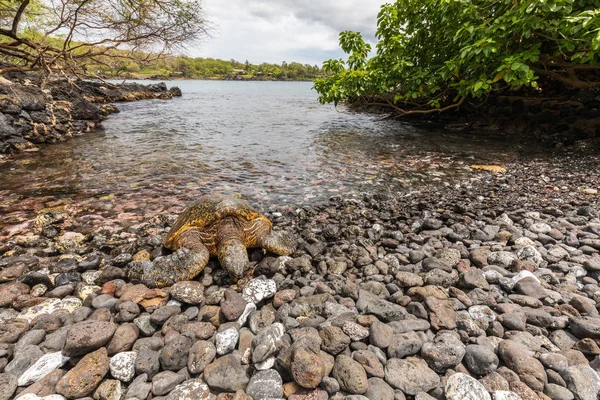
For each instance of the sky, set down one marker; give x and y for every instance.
(273, 31)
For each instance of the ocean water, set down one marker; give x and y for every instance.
(271, 142)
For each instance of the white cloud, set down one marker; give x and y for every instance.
(284, 30)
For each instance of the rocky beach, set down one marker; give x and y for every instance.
(35, 109)
(485, 288)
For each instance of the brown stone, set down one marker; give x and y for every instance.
(307, 368)
(442, 314)
(150, 299)
(524, 391)
(10, 291)
(85, 376)
(202, 330)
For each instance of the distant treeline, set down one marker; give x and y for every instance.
(205, 68)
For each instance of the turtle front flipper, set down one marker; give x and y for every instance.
(233, 257)
(279, 242)
(183, 265)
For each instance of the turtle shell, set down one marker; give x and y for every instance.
(207, 211)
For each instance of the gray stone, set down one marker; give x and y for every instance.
(165, 381)
(265, 385)
(445, 351)
(42, 367)
(191, 389)
(350, 374)
(8, 386)
(23, 360)
(480, 359)
(463, 387)
(190, 292)
(201, 354)
(411, 375)
(582, 381)
(378, 390)
(227, 374)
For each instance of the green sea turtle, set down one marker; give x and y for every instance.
(211, 226)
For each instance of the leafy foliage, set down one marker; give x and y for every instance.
(62, 34)
(187, 67)
(432, 54)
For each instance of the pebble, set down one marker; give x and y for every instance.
(42, 367)
(258, 289)
(87, 336)
(265, 385)
(49, 306)
(189, 292)
(227, 374)
(83, 379)
(226, 340)
(122, 366)
(463, 387)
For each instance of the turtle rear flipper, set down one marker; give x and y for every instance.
(182, 265)
(279, 242)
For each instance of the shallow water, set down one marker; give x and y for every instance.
(269, 141)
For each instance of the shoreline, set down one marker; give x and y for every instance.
(449, 283)
(31, 115)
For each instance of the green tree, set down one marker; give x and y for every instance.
(433, 54)
(67, 34)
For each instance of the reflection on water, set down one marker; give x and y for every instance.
(269, 141)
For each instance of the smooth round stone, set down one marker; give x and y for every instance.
(191, 389)
(463, 387)
(42, 367)
(190, 292)
(265, 385)
(122, 365)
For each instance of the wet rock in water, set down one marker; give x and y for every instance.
(463, 387)
(410, 375)
(227, 374)
(265, 385)
(190, 292)
(82, 379)
(42, 367)
(87, 336)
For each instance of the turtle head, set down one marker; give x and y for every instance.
(233, 257)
